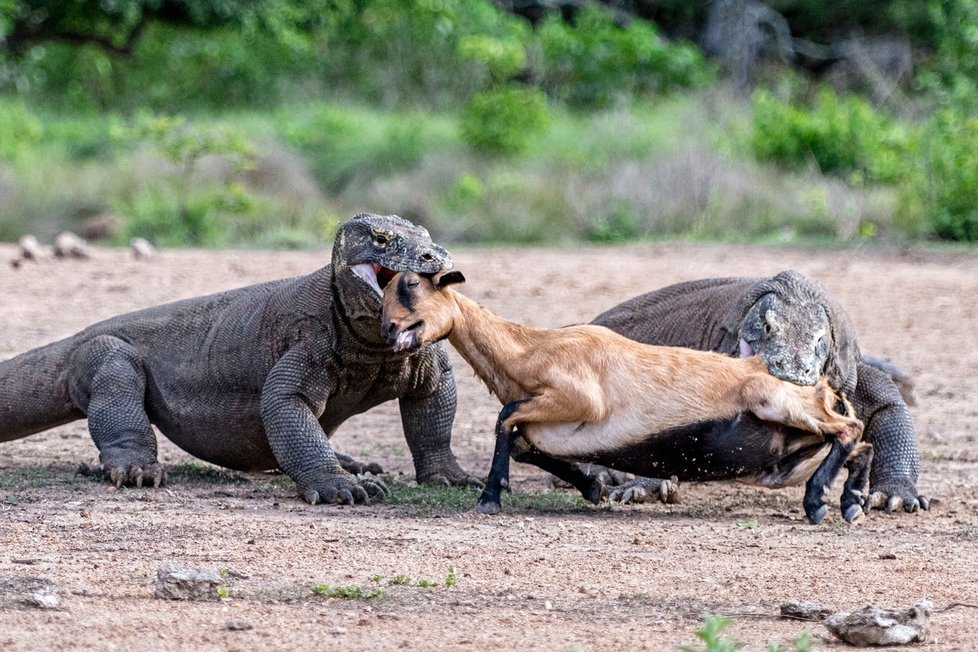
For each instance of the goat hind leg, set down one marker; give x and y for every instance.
(855, 492)
(822, 478)
(589, 485)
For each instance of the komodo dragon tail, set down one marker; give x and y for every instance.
(904, 381)
(34, 392)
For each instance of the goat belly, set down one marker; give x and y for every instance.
(743, 448)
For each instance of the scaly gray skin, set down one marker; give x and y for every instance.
(801, 332)
(254, 378)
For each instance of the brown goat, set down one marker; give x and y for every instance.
(572, 391)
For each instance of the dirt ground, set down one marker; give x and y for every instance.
(577, 578)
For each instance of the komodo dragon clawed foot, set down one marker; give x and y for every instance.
(345, 489)
(356, 467)
(134, 475)
(897, 494)
(645, 490)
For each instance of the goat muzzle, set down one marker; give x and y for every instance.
(401, 340)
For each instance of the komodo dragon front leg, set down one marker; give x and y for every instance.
(293, 398)
(427, 416)
(889, 426)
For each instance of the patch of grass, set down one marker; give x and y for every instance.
(451, 579)
(348, 592)
(197, 472)
(20, 478)
(426, 500)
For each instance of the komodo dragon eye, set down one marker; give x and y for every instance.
(382, 238)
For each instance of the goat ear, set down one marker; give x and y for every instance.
(444, 279)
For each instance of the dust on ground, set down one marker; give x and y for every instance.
(576, 578)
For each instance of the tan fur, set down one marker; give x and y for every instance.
(589, 388)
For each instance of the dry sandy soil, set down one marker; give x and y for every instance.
(575, 577)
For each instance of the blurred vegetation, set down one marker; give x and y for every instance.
(265, 123)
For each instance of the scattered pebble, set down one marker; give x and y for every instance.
(238, 626)
(18, 591)
(69, 245)
(141, 248)
(805, 610)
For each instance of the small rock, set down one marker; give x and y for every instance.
(141, 248)
(175, 582)
(874, 625)
(17, 591)
(69, 245)
(31, 249)
(337, 631)
(805, 610)
(44, 599)
(237, 626)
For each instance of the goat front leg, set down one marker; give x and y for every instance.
(499, 470)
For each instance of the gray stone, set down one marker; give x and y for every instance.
(874, 625)
(175, 582)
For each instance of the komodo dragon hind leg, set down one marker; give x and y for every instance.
(108, 383)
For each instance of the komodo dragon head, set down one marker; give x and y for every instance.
(792, 323)
(368, 251)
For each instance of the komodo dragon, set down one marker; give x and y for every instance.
(254, 378)
(801, 332)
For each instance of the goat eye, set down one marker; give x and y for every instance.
(413, 283)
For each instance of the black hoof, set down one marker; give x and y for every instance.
(487, 507)
(853, 513)
(816, 515)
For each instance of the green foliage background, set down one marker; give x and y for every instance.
(196, 122)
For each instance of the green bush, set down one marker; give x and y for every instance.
(345, 146)
(503, 120)
(19, 129)
(594, 61)
(945, 192)
(842, 135)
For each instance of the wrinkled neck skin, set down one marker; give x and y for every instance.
(479, 336)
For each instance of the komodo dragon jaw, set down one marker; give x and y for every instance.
(792, 338)
(376, 247)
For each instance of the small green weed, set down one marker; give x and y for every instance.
(802, 643)
(712, 636)
(403, 580)
(748, 525)
(224, 591)
(349, 592)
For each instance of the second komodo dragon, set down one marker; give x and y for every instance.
(254, 378)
